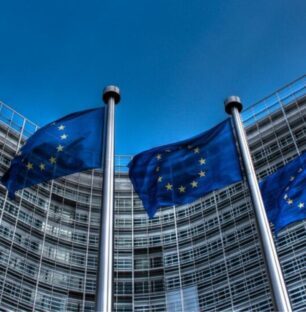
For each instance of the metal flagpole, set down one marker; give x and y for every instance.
(104, 290)
(233, 106)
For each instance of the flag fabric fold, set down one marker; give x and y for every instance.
(179, 173)
(284, 193)
(68, 145)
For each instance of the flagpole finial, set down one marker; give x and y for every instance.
(111, 92)
(232, 101)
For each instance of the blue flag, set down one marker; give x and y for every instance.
(284, 193)
(68, 145)
(179, 173)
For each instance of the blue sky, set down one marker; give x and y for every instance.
(174, 61)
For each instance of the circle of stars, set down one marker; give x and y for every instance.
(181, 189)
(53, 159)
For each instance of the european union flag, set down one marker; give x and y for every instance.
(179, 173)
(68, 145)
(284, 193)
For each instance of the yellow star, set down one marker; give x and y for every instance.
(194, 184)
(157, 169)
(202, 174)
(64, 136)
(52, 160)
(290, 201)
(60, 148)
(61, 127)
(301, 205)
(42, 167)
(158, 156)
(182, 189)
(169, 186)
(196, 150)
(202, 161)
(160, 179)
(29, 166)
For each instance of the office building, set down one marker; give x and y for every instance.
(204, 256)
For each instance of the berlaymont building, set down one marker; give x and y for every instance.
(205, 256)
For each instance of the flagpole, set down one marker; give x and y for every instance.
(104, 289)
(233, 106)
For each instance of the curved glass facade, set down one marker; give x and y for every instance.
(204, 256)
